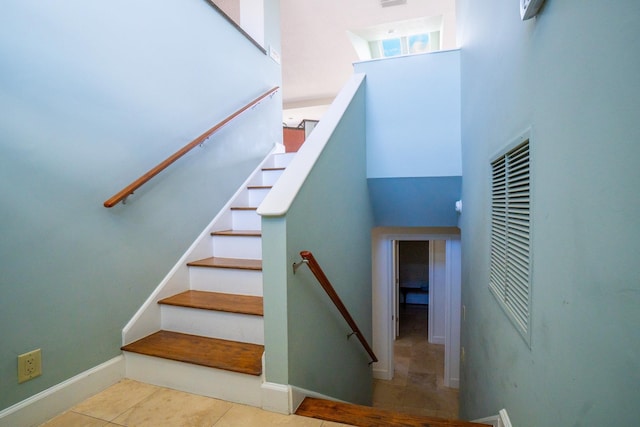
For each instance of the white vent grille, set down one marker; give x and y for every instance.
(387, 3)
(510, 241)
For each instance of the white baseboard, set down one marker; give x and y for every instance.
(382, 374)
(500, 420)
(53, 401)
(277, 398)
(504, 418)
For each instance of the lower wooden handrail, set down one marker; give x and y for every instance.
(317, 271)
(129, 189)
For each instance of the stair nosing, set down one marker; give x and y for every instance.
(237, 233)
(230, 263)
(216, 301)
(188, 355)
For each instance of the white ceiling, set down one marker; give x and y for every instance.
(317, 55)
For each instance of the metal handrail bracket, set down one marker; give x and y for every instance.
(296, 265)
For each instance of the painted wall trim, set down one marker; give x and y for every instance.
(283, 193)
(50, 402)
(500, 420)
(257, 43)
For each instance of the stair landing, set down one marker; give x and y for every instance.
(365, 416)
(210, 352)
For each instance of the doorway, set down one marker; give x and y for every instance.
(443, 295)
(411, 271)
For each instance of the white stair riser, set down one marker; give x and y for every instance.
(257, 195)
(245, 247)
(282, 160)
(213, 324)
(270, 177)
(246, 220)
(226, 280)
(217, 383)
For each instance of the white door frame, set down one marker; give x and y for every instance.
(396, 289)
(383, 296)
(453, 304)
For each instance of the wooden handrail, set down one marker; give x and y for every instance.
(326, 285)
(129, 189)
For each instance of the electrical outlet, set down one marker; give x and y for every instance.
(29, 365)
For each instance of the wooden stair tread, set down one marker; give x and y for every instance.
(217, 262)
(365, 416)
(243, 304)
(210, 352)
(245, 233)
(259, 187)
(273, 169)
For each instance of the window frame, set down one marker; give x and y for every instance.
(377, 50)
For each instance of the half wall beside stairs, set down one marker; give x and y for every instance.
(321, 205)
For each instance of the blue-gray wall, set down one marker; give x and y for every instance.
(571, 76)
(414, 164)
(93, 94)
(415, 202)
(305, 335)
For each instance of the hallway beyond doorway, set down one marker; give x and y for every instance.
(418, 383)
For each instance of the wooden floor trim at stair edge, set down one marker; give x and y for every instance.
(232, 356)
(365, 416)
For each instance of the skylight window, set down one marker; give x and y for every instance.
(419, 35)
(419, 43)
(391, 47)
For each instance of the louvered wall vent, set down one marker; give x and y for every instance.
(509, 272)
(387, 3)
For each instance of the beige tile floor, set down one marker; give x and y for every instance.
(416, 388)
(131, 403)
(418, 384)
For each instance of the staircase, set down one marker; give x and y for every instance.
(209, 337)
